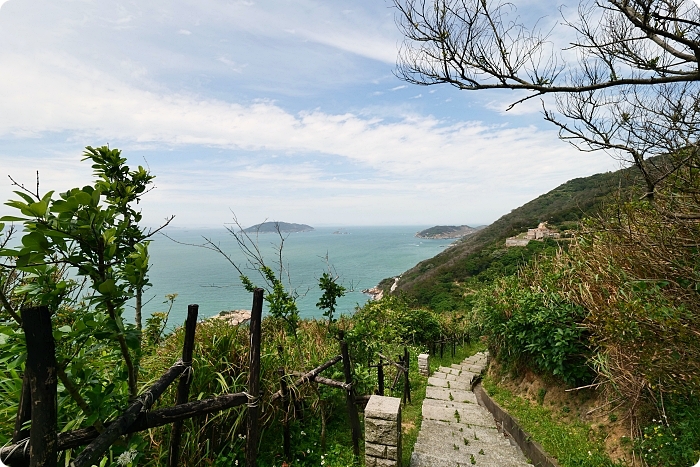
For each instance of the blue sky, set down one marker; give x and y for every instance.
(283, 110)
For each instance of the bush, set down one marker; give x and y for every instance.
(534, 328)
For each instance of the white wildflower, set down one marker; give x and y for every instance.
(127, 457)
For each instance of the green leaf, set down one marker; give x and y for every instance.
(108, 287)
(12, 219)
(83, 198)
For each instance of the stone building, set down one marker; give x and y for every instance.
(541, 232)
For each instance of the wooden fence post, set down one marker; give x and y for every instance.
(352, 409)
(380, 377)
(285, 422)
(183, 387)
(41, 371)
(251, 442)
(406, 382)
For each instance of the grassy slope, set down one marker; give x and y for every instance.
(565, 204)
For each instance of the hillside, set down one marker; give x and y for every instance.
(274, 227)
(446, 231)
(561, 208)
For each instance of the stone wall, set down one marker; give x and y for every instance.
(383, 432)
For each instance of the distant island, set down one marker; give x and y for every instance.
(274, 227)
(447, 231)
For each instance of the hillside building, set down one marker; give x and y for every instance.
(539, 233)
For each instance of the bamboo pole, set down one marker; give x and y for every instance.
(285, 420)
(72, 439)
(310, 376)
(183, 387)
(350, 396)
(407, 382)
(251, 445)
(121, 425)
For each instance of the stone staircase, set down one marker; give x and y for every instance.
(456, 430)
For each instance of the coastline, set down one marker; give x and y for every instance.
(376, 293)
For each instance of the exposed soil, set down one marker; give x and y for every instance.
(407, 426)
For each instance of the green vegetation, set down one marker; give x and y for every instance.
(562, 207)
(446, 231)
(572, 444)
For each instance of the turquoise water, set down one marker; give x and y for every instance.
(361, 256)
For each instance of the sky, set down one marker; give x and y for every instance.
(284, 110)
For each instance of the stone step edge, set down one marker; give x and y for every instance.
(426, 459)
(532, 449)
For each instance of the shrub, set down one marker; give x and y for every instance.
(532, 327)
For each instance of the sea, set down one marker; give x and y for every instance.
(359, 256)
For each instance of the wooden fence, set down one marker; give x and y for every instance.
(41, 445)
(44, 442)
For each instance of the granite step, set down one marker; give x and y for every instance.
(450, 394)
(457, 431)
(444, 383)
(422, 459)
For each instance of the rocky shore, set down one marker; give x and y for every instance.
(233, 317)
(376, 293)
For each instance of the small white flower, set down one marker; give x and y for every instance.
(127, 457)
(308, 451)
(303, 433)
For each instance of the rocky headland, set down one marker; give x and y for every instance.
(446, 231)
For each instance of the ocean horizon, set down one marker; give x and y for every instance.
(361, 256)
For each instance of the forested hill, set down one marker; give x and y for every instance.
(560, 207)
(274, 227)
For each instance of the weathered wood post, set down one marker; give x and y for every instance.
(380, 377)
(454, 345)
(41, 371)
(251, 442)
(285, 421)
(350, 396)
(406, 381)
(183, 387)
(442, 345)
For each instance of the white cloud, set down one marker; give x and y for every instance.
(412, 160)
(373, 161)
